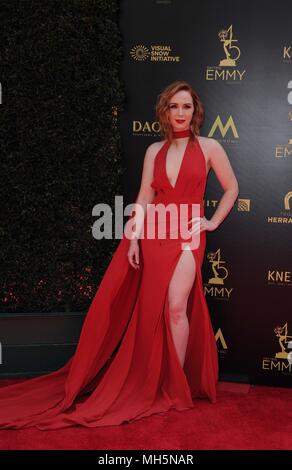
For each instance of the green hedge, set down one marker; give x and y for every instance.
(60, 149)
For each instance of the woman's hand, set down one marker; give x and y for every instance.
(201, 224)
(133, 254)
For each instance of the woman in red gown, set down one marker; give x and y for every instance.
(147, 344)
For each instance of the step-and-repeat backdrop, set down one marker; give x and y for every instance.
(238, 57)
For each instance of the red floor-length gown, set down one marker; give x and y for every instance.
(125, 366)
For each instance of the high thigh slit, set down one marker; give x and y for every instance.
(184, 273)
(125, 366)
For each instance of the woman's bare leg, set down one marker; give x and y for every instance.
(179, 289)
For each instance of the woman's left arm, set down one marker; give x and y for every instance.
(220, 163)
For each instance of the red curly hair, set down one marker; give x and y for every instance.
(162, 108)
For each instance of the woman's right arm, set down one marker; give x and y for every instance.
(145, 196)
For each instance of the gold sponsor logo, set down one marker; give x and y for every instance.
(243, 205)
(286, 214)
(287, 53)
(287, 199)
(145, 128)
(221, 343)
(224, 128)
(280, 278)
(154, 53)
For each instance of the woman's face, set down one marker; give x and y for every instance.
(181, 110)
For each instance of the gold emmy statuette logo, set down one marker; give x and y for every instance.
(232, 52)
(220, 272)
(227, 68)
(282, 333)
(140, 52)
(287, 198)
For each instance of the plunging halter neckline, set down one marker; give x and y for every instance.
(180, 167)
